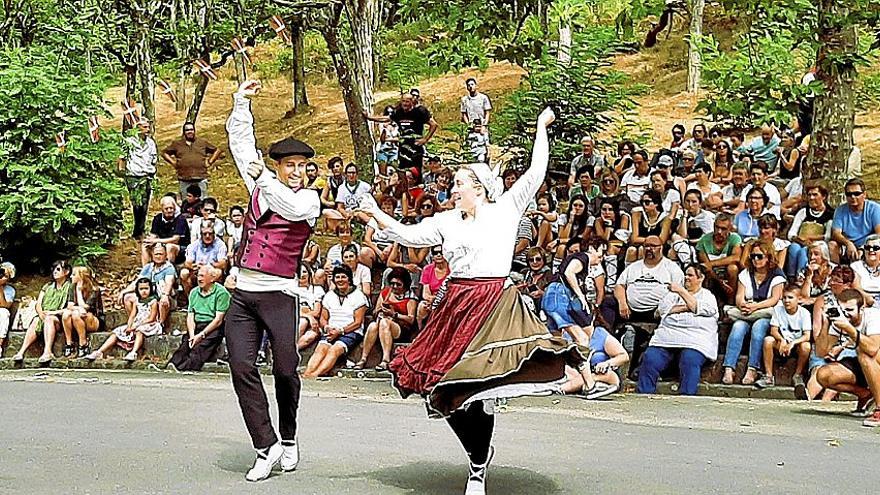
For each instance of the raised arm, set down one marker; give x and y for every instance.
(528, 184)
(423, 234)
(240, 129)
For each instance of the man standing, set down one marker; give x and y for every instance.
(853, 222)
(411, 119)
(475, 105)
(140, 169)
(191, 156)
(280, 218)
(588, 158)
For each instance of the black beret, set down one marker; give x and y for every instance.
(289, 147)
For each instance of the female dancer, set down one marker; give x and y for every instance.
(481, 342)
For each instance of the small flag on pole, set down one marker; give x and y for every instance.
(130, 112)
(280, 28)
(167, 91)
(239, 47)
(205, 69)
(94, 129)
(61, 140)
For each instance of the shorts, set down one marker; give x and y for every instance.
(387, 156)
(563, 309)
(852, 363)
(348, 341)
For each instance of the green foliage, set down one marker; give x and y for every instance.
(587, 95)
(757, 82)
(54, 203)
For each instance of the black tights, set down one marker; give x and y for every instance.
(473, 427)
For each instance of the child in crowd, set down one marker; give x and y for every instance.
(143, 322)
(478, 142)
(790, 328)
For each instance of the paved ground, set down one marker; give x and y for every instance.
(127, 433)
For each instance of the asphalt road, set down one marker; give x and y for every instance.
(128, 433)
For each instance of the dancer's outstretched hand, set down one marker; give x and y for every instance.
(367, 205)
(250, 88)
(546, 118)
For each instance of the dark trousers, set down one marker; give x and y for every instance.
(250, 313)
(192, 359)
(641, 337)
(139, 191)
(473, 427)
(657, 359)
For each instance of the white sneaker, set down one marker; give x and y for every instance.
(264, 463)
(476, 484)
(290, 456)
(131, 356)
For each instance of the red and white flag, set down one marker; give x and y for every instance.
(94, 129)
(205, 69)
(280, 28)
(130, 112)
(239, 47)
(61, 140)
(167, 91)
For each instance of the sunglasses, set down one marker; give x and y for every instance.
(854, 194)
(607, 209)
(427, 207)
(207, 233)
(209, 210)
(757, 256)
(608, 181)
(647, 202)
(872, 249)
(688, 159)
(536, 258)
(436, 253)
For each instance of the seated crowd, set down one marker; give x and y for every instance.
(645, 259)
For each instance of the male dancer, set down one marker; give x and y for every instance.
(280, 218)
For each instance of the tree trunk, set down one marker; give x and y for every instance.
(131, 92)
(694, 36)
(360, 131)
(142, 55)
(834, 109)
(182, 90)
(298, 77)
(198, 95)
(363, 19)
(564, 54)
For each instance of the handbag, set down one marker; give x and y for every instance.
(734, 313)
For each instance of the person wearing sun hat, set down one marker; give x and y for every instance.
(280, 218)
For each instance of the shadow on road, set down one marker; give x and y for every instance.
(433, 478)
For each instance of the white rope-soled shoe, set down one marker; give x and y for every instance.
(290, 455)
(476, 484)
(264, 463)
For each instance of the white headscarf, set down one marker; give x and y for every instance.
(489, 179)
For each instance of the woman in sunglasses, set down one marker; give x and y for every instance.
(814, 279)
(433, 276)
(395, 318)
(54, 298)
(867, 269)
(450, 361)
(649, 220)
(609, 188)
(768, 230)
(536, 277)
(759, 288)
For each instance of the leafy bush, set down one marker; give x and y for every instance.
(53, 203)
(586, 94)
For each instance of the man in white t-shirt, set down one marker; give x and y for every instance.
(637, 180)
(475, 105)
(642, 286)
(850, 339)
(350, 191)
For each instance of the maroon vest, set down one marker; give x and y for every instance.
(270, 243)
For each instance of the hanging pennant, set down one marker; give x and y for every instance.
(280, 29)
(205, 69)
(167, 91)
(94, 129)
(239, 47)
(130, 112)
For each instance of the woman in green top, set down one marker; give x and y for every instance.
(53, 299)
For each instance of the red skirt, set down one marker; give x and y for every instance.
(466, 306)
